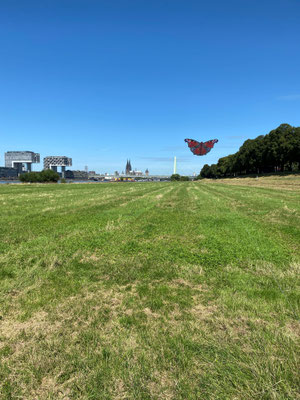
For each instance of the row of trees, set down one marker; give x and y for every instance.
(47, 175)
(277, 151)
(177, 177)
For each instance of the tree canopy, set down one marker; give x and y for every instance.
(277, 151)
(47, 175)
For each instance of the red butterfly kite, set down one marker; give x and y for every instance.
(200, 148)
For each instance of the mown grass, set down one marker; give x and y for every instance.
(150, 290)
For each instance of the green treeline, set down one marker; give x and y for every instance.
(47, 175)
(277, 151)
(177, 177)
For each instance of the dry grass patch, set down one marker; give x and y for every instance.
(50, 388)
(90, 257)
(162, 386)
(11, 328)
(119, 391)
(175, 283)
(293, 329)
(202, 312)
(267, 269)
(291, 182)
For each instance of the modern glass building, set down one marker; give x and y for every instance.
(52, 162)
(21, 160)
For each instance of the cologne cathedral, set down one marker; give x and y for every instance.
(128, 167)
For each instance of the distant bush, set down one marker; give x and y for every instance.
(184, 178)
(175, 177)
(47, 175)
(30, 177)
(63, 180)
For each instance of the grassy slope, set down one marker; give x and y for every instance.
(149, 291)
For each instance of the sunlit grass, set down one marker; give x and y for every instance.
(150, 290)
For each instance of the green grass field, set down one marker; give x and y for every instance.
(150, 290)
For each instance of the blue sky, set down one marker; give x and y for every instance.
(103, 81)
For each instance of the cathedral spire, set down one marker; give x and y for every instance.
(128, 167)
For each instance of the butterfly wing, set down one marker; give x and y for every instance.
(200, 148)
(194, 146)
(191, 143)
(210, 143)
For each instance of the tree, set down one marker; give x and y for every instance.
(175, 177)
(282, 146)
(279, 150)
(184, 178)
(251, 154)
(47, 175)
(227, 165)
(214, 171)
(30, 177)
(205, 171)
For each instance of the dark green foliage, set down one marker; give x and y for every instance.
(30, 177)
(209, 171)
(205, 171)
(175, 177)
(47, 175)
(184, 178)
(277, 151)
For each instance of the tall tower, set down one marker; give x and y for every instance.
(175, 166)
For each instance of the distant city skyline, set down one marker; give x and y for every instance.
(52, 161)
(103, 82)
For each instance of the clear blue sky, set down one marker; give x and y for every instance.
(103, 81)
